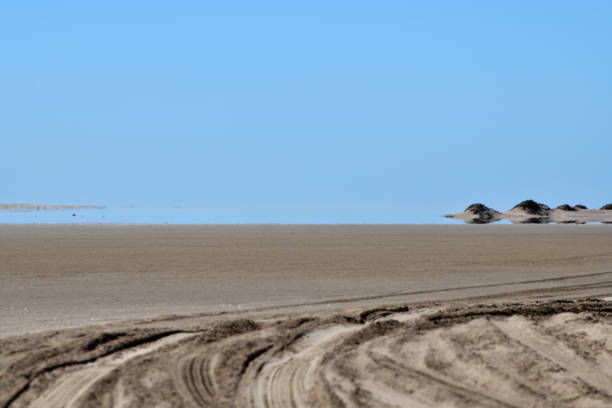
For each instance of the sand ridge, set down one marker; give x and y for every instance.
(540, 354)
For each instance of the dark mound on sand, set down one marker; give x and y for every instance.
(482, 213)
(606, 207)
(478, 209)
(531, 207)
(566, 207)
(580, 207)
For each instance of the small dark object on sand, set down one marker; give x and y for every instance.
(580, 207)
(566, 207)
(606, 207)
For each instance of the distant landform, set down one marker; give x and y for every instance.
(47, 207)
(532, 212)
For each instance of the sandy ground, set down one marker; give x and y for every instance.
(423, 316)
(551, 354)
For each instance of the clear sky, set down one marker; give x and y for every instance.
(359, 106)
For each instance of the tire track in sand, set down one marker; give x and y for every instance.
(524, 332)
(291, 377)
(69, 388)
(551, 354)
(194, 377)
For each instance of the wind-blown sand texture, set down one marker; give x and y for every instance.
(422, 316)
(555, 354)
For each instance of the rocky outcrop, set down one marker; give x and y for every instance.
(532, 208)
(477, 213)
(480, 210)
(482, 214)
(532, 212)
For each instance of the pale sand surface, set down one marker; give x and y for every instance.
(63, 276)
(295, 315)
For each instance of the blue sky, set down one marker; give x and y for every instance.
(358, 106)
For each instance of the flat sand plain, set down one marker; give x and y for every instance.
(276, 315)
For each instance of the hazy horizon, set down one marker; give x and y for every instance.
(306, 112)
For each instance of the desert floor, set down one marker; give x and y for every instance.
(265, 315)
